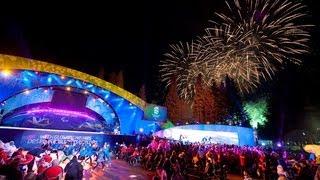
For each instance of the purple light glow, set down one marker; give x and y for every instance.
(49, 130)
(61, 112)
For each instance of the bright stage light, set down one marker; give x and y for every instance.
(27, 92)
(85, 92)
(62, 77)
(68, 88)
(141, 129)
(133, 176)
(279, 144)
(49, 79)
(6, 73)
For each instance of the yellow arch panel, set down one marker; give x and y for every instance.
(13, 62)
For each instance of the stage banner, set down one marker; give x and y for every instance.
(33, 138)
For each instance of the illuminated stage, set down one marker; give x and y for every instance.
(221, 134)
(29, 138)
(39, 95)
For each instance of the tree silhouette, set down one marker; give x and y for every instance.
(178, 110)
(209, 103)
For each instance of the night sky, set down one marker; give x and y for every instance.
(133, 37)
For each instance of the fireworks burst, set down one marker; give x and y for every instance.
(233, 57)
(185, 64)
(249, 43)
(261, 35)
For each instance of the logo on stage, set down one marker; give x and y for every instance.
(155, 113)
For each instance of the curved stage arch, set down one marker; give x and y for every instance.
(8, 62)
(27, 79)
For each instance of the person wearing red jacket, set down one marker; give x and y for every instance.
(54, 172)
(242, 159)
(3, 157)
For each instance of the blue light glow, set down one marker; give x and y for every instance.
(100, 107)
(130, 117)
(49, 79)
(27, 97)
(69, 82)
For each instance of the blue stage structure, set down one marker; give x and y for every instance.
(32, 91)
(30, 138)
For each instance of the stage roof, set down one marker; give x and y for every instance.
(8, 62)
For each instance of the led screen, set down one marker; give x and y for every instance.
(190, 135)
(28, 97)
(69, 99)
(49, 118)
(102, 108)
(155, 113)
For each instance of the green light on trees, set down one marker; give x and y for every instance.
(257, 112)
(167, 125)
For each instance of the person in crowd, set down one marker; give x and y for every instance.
(90, 152)
(101, 159)
(55, 171)
(176, 170)
(56, 146)
(44, 163)
(46, 145)
(242, 160)
(167, 166)
(317, 174)
(31, 175)
(3, 157)
(10, 148)
(87, 171)
(82, 153)
(12, 170)
(73, 170)
(160, 174)
(246, 176)
(68, 150)
(196, 160)
(282, 174)
(2, 144)
(107, 154)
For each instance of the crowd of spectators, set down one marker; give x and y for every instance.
(168, 159)
(177, 160)
(52, 160)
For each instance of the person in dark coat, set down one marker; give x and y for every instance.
(46, 145)
(73, 170)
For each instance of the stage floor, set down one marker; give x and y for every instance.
(121, 170)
